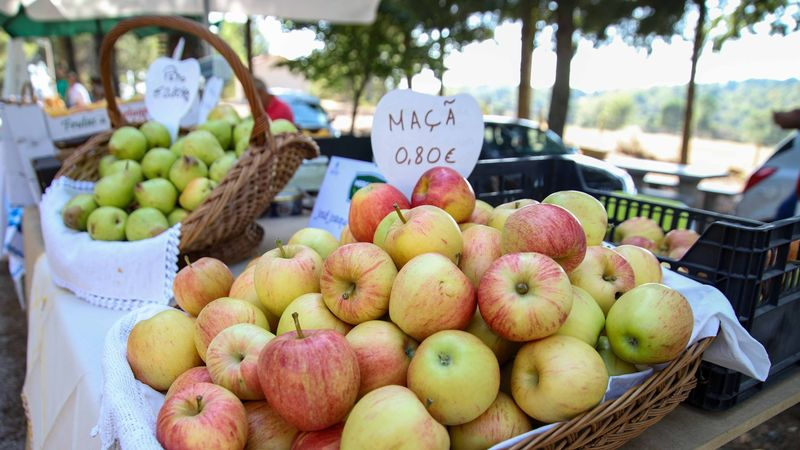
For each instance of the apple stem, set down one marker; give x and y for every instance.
(348, 292)
(458, 259)
(399, 213)
(522, 288)
(188, 262)
(279, 244)
(516, 205)
(296, 318)
(199, 399)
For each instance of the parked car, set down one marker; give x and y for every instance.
(505, 137)
(771, 190)
(309, 115)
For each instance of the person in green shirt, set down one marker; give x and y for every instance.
(62, 85)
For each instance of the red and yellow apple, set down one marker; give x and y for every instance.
(194, 375)
(424, 229)
(447, 189)
(503, 349)
(316, 316)
(370, 205)
(481, 214)
(517, 204)
(266, 429)
(328, 439)
(645, 265)
(503, 420)
(605, 275)
(232, 359)
(319, 240)
(640, 241)
(220, 314)
(275, 268)
(481, 248)
(614, 364)
(244, 288)
(585, 320)
(639, 226)
(384, 353)
(201, 282)
(346, 237)
(588, 210)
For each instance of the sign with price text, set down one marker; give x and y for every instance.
(412, 132)
(171, 90)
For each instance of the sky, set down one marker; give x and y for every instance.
(495, 62)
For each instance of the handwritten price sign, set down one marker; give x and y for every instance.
(412, 132)
(171, 90)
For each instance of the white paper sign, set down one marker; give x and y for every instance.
(171, 90)
(343, 178)
(413, 132)
(211, 94)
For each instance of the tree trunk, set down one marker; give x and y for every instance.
(409, 77)
(356, 97)
(441, 64)
(524, 95)
(559, 101)
(687, 116)
(248, 43)
(69, 53)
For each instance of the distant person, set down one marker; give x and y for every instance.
(274, 107)
(98, 92)
(77, 95)
(62, 85)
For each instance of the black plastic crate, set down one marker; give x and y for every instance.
(748, 261)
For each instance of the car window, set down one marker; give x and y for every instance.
(308, 115)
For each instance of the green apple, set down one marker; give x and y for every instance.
(221, 130)
(202, 145)
(115, 189)
(107, 223)
(128, 143)
(177, 215)
(242, 130)
(650, 324)
(503, 420)
(126, 165)
(282, 126)
(455, 375)
(195, 193)
(177, 146)
(161, 348)
(321, 241)
(222, 166)
(157, 162)
(76, 212)
(499, 216)
(156, 193)
(585, 320)
(297, 263)
(157, 134)
(145, 223)
(316, 316)
(104, 164)
(588, 210)
(424, 229)
(614, 364)
(224, 112)
(392, 417)
(557, 378)
(186, 169)
(379, 238)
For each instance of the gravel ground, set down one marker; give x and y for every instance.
(13, 336)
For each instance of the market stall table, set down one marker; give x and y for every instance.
(64, 376)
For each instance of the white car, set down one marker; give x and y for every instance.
(771, 191)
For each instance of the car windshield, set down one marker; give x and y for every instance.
(509, 140)
(307, 115)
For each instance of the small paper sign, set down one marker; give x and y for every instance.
(343, 178)
(171, 90)
(211, 94)
(413, 132)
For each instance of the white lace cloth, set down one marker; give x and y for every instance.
(129, 408)
(117, 275)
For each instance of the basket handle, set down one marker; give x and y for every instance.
(261, 133)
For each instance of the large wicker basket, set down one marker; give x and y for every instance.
(224, 225)
(615, 422)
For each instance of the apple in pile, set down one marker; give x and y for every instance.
(147, 182)
(394, 335)
(646, 233)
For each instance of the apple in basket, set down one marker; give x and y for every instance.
(297, 263)
(311, 378)
(384, 353)
(412, 426)
(328, 439)
(194, 375)
(587, 209)
(201, 282)
(161, 348)
(221, 314)
(481, 249)
(266, 429)
(232, 359)
(455, 375)
(503, 349)
(517, 204)
(586, 319)
(481, 214)
(447, 189)
(503, 420)
(319, 240)
(244, 288)
(639, 226)
(203, 415)
(547, 229)
(424, 229)
(605, 275)
(614, 364)
(499, 217)
(650, 324)
(370, 205)
(645, 265)
(316, 316)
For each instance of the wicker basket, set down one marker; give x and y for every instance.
(615, 422)
(223, 226)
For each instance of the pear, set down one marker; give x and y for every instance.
(177, 215)
(221, 130)
(186, 169)
(116, 189)
(105, 163)
(157, 193)
(107, 223)
(76, 212)
(196, 192)
(243, 130)
(128, 143)
(145, 223)
(241, 146)
(129, 165)
(202, 145)
(177, 146)
(282, 126)
(224, 112)
(157, 162)
(220, 168)
(156, 134)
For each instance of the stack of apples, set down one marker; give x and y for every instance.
(148, 183)
(646, 233)
(434, 323)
